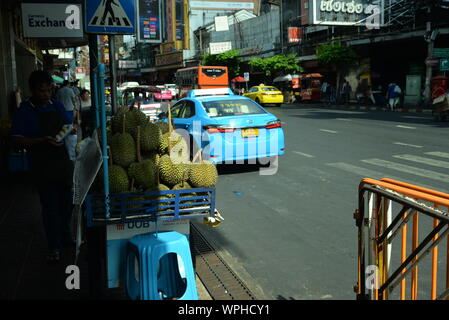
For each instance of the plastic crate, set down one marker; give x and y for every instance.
(141, 206)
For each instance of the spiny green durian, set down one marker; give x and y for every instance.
(163, 126)
(117, 119)
(170, 173)
(203, 175)
(118, 179)
(124, 149)
(150, 137)
(153, 156)
(134, 119)
(185, 186)
(143, 173)
(163, 145)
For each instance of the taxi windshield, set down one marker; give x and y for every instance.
(226, 108)
(269, 89)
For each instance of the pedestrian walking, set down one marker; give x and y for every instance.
(68, 98)
(332, 95)
(393, 95)
(325, 92)
(35, 124)
(345, 92)
(87, 116)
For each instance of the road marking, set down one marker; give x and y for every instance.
(438, 154)
(412, 117)
(408, 169)
(430, 162)
(343, 119)
(405, 127)
(303, 154)
(329, 131)
(407, 145)
(367, 173)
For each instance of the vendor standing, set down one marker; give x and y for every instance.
(35, 124)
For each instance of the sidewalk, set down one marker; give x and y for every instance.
(360, 107)
(24, 272)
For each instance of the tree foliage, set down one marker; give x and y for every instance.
(228, 59)
(279, 63)
(335, 54)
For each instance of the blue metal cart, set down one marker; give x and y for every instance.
(112, 219)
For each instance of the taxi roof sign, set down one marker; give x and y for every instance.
(210, 92)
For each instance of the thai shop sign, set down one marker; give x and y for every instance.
(219, 47)
(52, 20)
(347, 12)
(127, 64)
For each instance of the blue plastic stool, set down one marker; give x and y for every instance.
(152, 269)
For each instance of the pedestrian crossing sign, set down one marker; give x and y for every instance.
(110, 16)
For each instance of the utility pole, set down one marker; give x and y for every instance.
(112, 73)
(430, 38)
(282, 26)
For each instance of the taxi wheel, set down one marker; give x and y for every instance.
(258, 101)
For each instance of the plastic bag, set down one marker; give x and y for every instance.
(70, 143)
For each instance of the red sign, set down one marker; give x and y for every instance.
(294, 35)
(432, 61)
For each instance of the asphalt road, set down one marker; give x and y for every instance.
(292, 235)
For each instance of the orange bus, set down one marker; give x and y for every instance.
(205, 77)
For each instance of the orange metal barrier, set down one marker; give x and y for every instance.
(377, 229)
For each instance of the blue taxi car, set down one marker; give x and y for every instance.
(227, 127)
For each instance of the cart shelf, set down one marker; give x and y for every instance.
(144, 206)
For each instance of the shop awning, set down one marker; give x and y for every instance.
(287, 77)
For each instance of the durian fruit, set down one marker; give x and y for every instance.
(150, 137)
(118, 179)
(166, 203)
(170, 174)
(117, 120)
(184, 186)
(135, 118)
(143, 171)
(163, 126)
(203, 174)
(160, 187)
(163, 145)
(124, 148)
(153, 156)
(123, 204)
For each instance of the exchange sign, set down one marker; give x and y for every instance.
(348, 12)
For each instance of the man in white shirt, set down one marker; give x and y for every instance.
(67, 96)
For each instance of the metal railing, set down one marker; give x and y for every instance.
(378, 228)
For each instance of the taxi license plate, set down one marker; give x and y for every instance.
(252, 132)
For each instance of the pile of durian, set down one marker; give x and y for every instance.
(149, 156)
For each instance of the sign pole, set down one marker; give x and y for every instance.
(112, 73)
(430, 45)
(93, 62)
